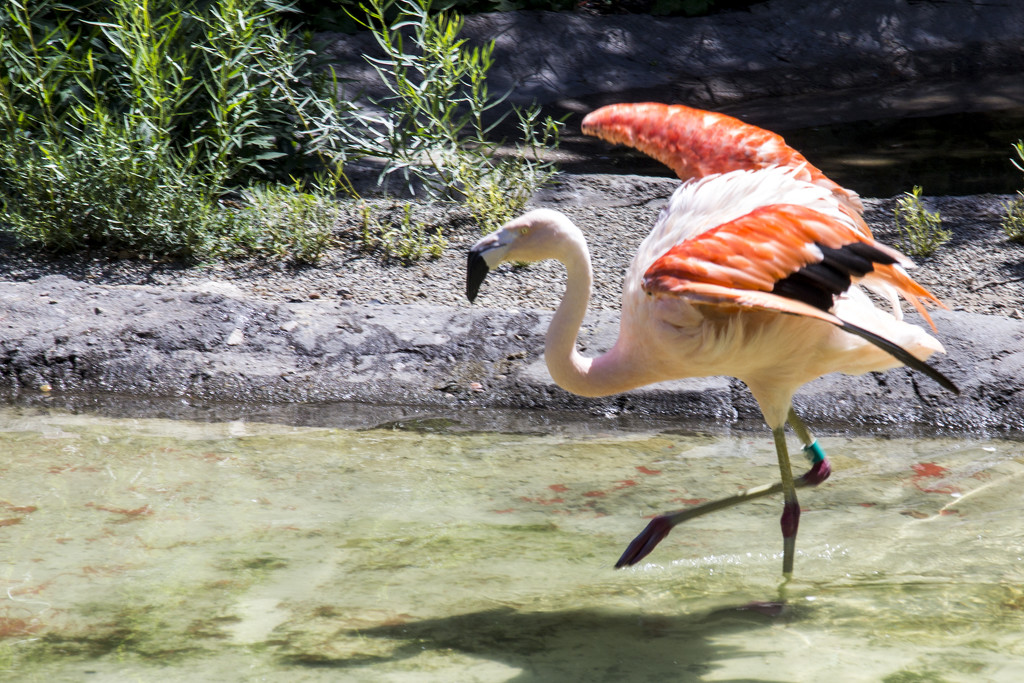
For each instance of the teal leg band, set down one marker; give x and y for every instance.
(814, 453)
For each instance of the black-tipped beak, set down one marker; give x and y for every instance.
(476, 271)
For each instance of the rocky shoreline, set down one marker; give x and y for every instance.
(195, 338)
(126, 348)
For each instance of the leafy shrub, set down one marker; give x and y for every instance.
(432, 132)
(220, 81)
(405, 238)
(122, 133)
(116, 193)
(108, 190)
(289, 222)
(122, 124)
(1013, 219)
(921, 229)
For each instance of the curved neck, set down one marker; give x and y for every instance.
(607, 374)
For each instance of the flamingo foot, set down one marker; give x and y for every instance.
(648, 539)
(818, 473)
(820, 467)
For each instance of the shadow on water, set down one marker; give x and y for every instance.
(581, 644)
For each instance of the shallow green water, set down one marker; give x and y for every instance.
(166, 550)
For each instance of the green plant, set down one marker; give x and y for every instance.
(1013, 219)
(109, 189)
(421, 122)
(1018, 163)
(405, 239)
(103, 193)
(124, 133)
(122, 124)
(921, 230)
(496, 192)
(288, 222)
(433, 131)
(218, 80)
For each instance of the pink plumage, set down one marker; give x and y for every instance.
(753, 270)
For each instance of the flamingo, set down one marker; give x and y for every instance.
(754, 269)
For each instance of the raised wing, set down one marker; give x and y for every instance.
(788, 259)
(696, 143)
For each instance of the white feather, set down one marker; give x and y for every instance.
(701, 204)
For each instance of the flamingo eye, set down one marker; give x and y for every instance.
(524, 231)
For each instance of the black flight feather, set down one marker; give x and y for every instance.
(817, 284)
(900, 354)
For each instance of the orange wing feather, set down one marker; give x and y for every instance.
(741, 262)
(696, 143)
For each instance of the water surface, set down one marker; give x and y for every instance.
(145, 549)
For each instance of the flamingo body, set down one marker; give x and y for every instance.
(753, 272)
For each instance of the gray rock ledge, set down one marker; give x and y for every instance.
(61, 339)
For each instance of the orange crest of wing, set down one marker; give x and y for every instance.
(692, 142)
(695, 143)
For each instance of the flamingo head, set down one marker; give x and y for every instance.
(534, 236)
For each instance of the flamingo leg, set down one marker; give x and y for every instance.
(790, 520)
(660, 526)
(820, 467)
(800, 428)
